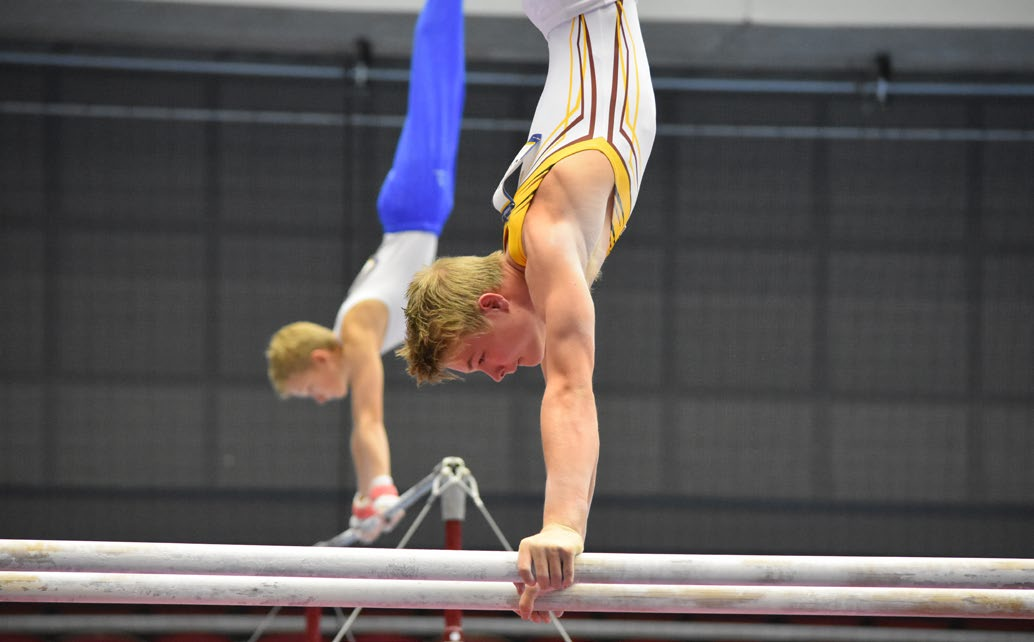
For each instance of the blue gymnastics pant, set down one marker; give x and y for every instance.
(418, 192)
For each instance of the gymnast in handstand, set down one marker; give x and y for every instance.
(530, 304)
(323, 364)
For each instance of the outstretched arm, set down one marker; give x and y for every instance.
(362, 333)
(417, 196)
(563, 235)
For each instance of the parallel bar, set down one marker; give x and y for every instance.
(126, 588)
(501, 566)
(509, 626)
(414, 494)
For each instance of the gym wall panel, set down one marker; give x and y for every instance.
(738, 449)
(1007, 329)
(898, 323)
(136, 88)
(899, 453)
(126, 436)
(265, 284)
(23, 293)
(893, 192)
(131, 304)
(130, 172)
(632, 353)
(22, 440)
(632, 441)
(1006, 442)
(471, 420)
(741, 189)
(23, 188)
(265, 442)
(743, 320)
(1007, 192)
(264, 169)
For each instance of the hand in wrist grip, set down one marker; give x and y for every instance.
(368, 512)
(545, 562)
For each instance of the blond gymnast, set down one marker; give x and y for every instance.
(530, 304)
(312, 361)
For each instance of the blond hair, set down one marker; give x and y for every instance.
(442, 309)
(290, 351)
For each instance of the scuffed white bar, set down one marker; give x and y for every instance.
(501, 566)
(236, 590)
(507, 625)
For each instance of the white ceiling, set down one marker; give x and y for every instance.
(939, 36)
(987, 13)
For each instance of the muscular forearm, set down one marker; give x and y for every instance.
(570, 444)
(371, 456)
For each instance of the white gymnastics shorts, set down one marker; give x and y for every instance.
(385, 278)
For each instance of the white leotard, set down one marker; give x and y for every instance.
(385, 278)
(598, 96)
(546, 14)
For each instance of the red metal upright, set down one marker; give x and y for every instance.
(453, 619)
(454, 509)
(312, 624)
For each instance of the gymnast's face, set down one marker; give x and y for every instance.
(513, 339)
(323, 381)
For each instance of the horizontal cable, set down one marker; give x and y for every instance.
(585, 628)
(323, 119)
(876, 88)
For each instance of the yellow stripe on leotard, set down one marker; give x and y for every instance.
(512, 237)
(602, 112)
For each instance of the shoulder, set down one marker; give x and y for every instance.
(364, 325)
(569, 214)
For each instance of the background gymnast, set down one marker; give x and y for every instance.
(530, 304)
(309, 360)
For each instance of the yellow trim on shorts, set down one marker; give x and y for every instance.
(514, 243)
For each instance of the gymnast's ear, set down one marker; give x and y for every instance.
(493, 301)
(319, 356)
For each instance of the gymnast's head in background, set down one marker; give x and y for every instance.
(307, 360)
